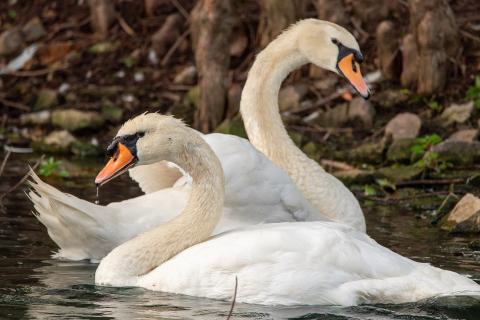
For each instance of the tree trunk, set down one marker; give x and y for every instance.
(210, 29)
(332, 10)
(275, 16)
(102, 15)
(433, 26)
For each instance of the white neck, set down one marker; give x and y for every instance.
(195, 224)
(263, 124)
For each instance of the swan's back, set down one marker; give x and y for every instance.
(302, 263)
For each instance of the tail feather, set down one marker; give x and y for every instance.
(77, 226)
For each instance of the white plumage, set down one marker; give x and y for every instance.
(257, 191)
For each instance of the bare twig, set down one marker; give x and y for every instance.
(470, 36)
(181, 9)
(234, 298)
(128, 30)
(15, 105)
(21, 181)
(430, 182)
(174, 47)
(337, 165)
(4, 162)
(37, 73)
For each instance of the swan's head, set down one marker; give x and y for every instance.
(331, 47)
(145, 139)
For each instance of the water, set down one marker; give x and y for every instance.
(34, 286)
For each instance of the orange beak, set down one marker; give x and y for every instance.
(121, 161)
(351, 70)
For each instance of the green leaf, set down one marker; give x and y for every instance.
(369, 190)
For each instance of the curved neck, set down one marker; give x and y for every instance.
(193, 225)
(259, 103)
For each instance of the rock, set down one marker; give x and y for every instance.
(397, 173)
(167, 34)
(46, 99)
(232, 126)
(404, 125)
(465, 216)
(333, 117)
(85, 149)
(391, 98)
(355, 176)
(326, 82)
(102, 15)
(112, 113)
(468, 135)
(56, 142)
(362, 110)
(458, 151)
(290, 97)
(456, 113)
(409, 49)
(368, 152)
(33, 30)
(36, 118)
(187, 75)
(73, 120)
(11, 41)
(400, 150)
(387, 49)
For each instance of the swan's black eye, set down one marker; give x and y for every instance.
(140, 134)
(335, 41)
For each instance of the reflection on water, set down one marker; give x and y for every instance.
(33, 286)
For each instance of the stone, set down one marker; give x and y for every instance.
(290, 97)
(36, 118)
(187, 75)
(112, 113)
(409, 49)
(403, 125)
(397, 173)
(367, 152)
(468, 135)
(73, 119)
(11, 41)
(390, 97)
(46, 99)
(334, 117)
(58, 141)
(85, 149)
(465, 216)
(400, 150)
(33, 30)
(456, 113)
(458, 151)
(387, 40)
(362, 110)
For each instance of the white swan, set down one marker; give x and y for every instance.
(253, 184)
(257, 191)
(278, 263)
(328, 46)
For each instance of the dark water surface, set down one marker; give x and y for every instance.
(34, 286)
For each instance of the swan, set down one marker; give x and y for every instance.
(288, 263)
(257, 191)
(330, 47)
(253, 184)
